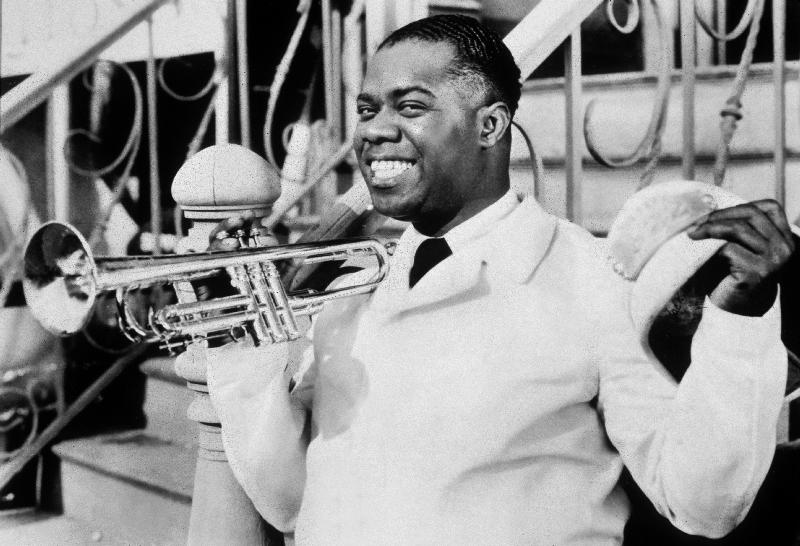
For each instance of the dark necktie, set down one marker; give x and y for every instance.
(429, 253)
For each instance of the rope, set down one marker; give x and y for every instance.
(650, 169)
(732, 111)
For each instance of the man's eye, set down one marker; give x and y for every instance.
(364, 111)
(411, 108)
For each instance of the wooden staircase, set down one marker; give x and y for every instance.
(132, 487)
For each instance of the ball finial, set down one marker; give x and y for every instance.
(224, 180)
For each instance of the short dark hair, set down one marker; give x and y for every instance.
(480, 53)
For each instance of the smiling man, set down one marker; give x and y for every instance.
(492, 388)
(416, 137)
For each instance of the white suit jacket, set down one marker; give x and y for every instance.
(496, 403)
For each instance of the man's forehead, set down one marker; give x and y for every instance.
(408, 64)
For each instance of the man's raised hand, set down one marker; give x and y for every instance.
(759, 244)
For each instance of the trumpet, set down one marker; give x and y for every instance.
(62, 281)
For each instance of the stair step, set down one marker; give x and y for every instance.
(40, 529)
(135, 484)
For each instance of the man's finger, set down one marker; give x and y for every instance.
(226, 243)
(737, 231)
(231, 228)
(777, 215)
(758, 213)
(228, 225)
(749, 212)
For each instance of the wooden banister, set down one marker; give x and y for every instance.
(35, 89)
(544, 29)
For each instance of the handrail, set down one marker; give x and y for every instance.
(35, 89)
(552, 21)
(12, 467)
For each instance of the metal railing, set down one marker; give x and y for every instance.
(691, 22)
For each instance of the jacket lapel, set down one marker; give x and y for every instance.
(510, 252)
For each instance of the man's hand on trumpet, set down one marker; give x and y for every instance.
(232, 232)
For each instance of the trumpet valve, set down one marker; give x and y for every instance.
(255, 237)
(240, 236)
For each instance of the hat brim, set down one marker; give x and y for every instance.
(648, 245)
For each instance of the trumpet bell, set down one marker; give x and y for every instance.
(59, 278)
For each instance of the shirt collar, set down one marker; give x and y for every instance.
(458, 237)
(512, 246)
(483, 222)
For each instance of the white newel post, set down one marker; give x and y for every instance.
(215, 184)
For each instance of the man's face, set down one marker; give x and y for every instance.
(417, 137)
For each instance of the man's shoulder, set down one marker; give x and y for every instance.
(580, 245)
(580, 255)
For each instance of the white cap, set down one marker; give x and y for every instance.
(648, 244)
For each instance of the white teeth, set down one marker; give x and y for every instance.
(389, 169)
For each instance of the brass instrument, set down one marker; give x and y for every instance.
(62, 280)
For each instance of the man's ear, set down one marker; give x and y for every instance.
(494, 120)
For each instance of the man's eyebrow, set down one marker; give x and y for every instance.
(400, 91)
(396, 93)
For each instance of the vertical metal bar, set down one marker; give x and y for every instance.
(58, 177)
(650, 42)
(352, 70)
(327, 58)
(244, 74)
(336, 72)
(222, 56)
(779, 77)
(722, 25)
(688, 47)
(574, 130)
(152, 142)
(705, 44)
(325, 192)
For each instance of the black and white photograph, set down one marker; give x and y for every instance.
(400, 272)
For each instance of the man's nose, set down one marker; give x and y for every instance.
(381, 128)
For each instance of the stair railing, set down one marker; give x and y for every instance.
(36, 88)
(33, 91)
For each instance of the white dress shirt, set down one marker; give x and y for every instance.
(497, 401)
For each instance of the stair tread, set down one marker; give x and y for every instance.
(40, 528)
(136, 457)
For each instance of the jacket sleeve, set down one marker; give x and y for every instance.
(700, 449)
(264, 427)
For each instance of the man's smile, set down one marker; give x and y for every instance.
(386, 171)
